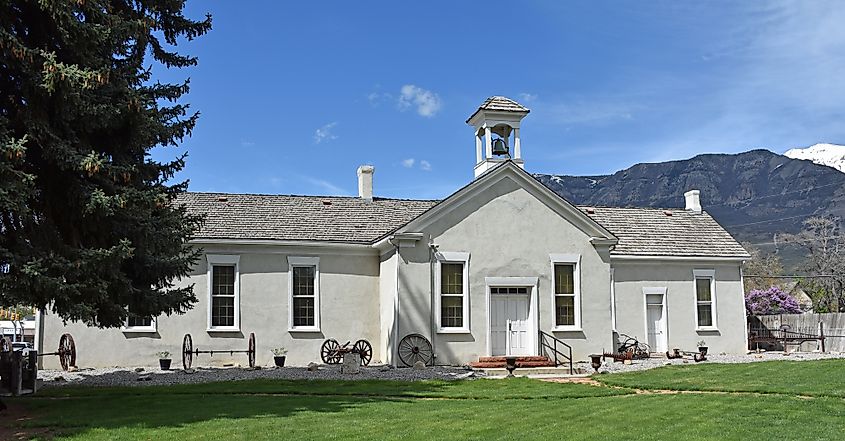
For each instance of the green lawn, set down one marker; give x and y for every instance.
(467, 410)
(823, 378)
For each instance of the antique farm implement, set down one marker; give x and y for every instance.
(332, 352)
(637, 349)
(414, 348)
(66, 351)
(188, 351)
(696, 355)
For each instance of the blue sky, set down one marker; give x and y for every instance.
(295, 95)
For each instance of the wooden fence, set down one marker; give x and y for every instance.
(832, 325)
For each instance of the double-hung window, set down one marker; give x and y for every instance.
(566, 291)
(452, 292)
(705, 299)
(304, 294)
(223, 293)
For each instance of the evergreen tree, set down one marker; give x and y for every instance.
(89, 227)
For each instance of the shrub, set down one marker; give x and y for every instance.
(771, 301)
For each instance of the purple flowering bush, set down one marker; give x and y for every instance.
(771, 301)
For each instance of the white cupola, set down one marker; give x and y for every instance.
(496, 124)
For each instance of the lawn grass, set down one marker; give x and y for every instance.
(465, 410)
(823, 378)
(518, 388)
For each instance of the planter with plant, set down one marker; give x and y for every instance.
(279, 356)
(702, 347)
(164, 360)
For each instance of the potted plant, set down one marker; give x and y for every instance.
(164, 360)
(702, 347)
(279, 356)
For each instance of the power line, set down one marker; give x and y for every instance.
(771, 220)
(745, 201)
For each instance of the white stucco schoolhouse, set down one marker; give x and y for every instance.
(296, 270)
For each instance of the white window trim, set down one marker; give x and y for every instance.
(452, 257)
(613, 300)
(570, 259)
(705, 274)
(293, 262)
(228, 260)
(126, 329)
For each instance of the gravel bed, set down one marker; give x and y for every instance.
(149, 376)
(640, 365)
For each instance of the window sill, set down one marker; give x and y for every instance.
(304, 329)
(567, 329)
(144, 330)
(706, 329)
(453, 331)
(224, 329)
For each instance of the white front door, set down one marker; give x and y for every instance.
(510, 328)
(656, 321)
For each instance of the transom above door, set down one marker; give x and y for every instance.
(511, 327)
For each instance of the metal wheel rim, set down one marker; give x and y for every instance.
(414, 348)
(187, 352)
(328, 351)
(365, 351)
(251, 350)
(66, 351)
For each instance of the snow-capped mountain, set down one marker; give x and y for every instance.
(831, 155)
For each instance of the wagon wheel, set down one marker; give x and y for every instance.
(6, 345)
(67, 351)
(414, 348)
(251, 350)
(187, 352)
(365, 350)
(328, 352)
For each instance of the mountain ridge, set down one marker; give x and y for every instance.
(754, 194)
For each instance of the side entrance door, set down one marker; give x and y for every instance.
(510, 327)
(656, 321)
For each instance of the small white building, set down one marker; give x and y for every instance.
(497, 268)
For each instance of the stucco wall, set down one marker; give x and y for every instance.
(678, 279)
(349, 303)
(508, 233)
(387, 301)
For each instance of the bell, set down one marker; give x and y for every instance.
(499, 147)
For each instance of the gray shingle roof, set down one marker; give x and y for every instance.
(652, 232)
(641, 231)
(306, 218)
(500, 103)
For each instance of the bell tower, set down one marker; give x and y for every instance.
(496, 124)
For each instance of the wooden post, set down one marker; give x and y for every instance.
(17, 359)
(821, 334)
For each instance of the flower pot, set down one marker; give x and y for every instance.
(280, 360)
(164, 363)
(702, 350)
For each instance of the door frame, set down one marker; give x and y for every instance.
(533, 315)
(662, 291)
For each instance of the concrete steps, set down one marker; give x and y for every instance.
(521, 362)
(535, 372)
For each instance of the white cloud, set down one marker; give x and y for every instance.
(245, 143)
(527, 97)
(325, 133)
(422, 164)
(426, 102)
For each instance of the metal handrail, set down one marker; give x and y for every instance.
(553, 348)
